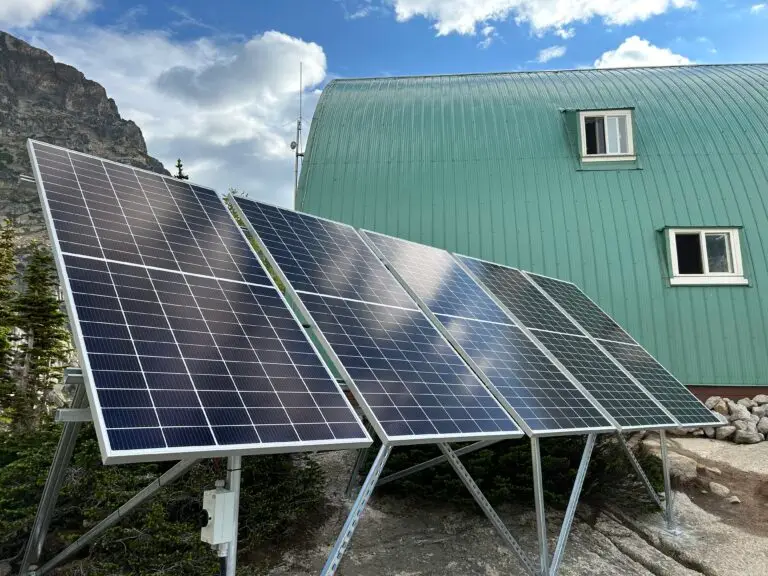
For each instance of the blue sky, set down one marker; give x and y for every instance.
(217, 82)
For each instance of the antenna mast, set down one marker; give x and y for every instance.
(297, 144)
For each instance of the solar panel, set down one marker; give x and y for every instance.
(531, 383)
(321, 256)
(437, 279)
(624, 400)
(528, 305)
(409, 380)
(596, 322)
(187, 346)
(664, 386)
(413, 382)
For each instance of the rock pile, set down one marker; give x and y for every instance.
(747, 420)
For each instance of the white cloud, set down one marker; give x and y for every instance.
(757, 8)
(463, 16)
(566, 33)
(489, 35)
(636, 51)
(550, 53)
(23, 13)
(227, 108)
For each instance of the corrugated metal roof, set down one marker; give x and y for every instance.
(485, 165)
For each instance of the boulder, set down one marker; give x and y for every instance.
(761, 399)
(743, 437)
(719, 489)
(760, 411)
(698, 433)
(721, 407)
(734, 499)
(762, 425)
(740, 424)
(762, 436)
(725, 432)
(747, 403)
(709, 432)
(713, 400)
(738, 412)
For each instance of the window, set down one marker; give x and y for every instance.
(705, 256)
(606, 135)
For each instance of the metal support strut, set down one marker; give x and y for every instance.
(435, 461)
(570, 512)
(458, 467)
(342, 542)
(668, 496)
(538, 498)
(362, 454)
(639, 470)
(177, 470)
(234, 466)
(61, 458)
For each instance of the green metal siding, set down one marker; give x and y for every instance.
(486, 165)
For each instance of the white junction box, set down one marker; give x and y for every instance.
(219, 504)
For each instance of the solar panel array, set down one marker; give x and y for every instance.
(409, 380)
(187, 345)
(543, 397)
(670, 393)
(621, 397)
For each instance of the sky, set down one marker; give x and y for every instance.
(217, 83)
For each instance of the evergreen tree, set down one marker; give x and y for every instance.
(43, 340)
(180, 171)
(7, 301)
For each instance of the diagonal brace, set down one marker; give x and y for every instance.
(342, 542)
(640, 473)
(435, 461)
(570, 512)
(473, 488)
(362, 454)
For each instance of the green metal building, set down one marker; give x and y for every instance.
(648, 187)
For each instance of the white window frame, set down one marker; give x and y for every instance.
(629, 155)
(708, 278)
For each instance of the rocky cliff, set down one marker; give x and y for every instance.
(55, 103)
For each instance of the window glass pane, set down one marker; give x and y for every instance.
(612, 135)
(594, 130)
(718, 252)
(689, 254)
(623, 140)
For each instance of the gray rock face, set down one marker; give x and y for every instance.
(719, 489)
(725, 432)
(55, 103)
(747, 403)
(740, 424)
(709, 432)
(721, 407)
(760, 411)
(761, 399)
(712, 401)
(738, 412)
(743, 437)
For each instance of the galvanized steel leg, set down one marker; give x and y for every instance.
(570, 512)
(234, 467)
(454, 461)
(435, 461)
(359, 461)
(541, 518)
(640, 473)
(61, 458)
(668, 497)
(342, 542)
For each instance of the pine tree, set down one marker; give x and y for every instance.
(180, 171)
(7, 302)
(44, 344)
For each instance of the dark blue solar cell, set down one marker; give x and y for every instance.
(181, 416)
(201, 436)
(237, 435)
(135, 438)
(130, 418)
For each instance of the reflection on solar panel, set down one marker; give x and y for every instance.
(322, 256)
(596, 322)
(528, 305)
(619, 395)
(658, 381)
(186, 345)
(533, 386)
(438, 280)
(410, 381)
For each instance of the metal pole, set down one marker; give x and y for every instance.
(342, 542)
(570, 512)
(477, 494)
(667, 484)
(359, 461)
(640, 472)
(178, 469)
(61, 459)
(435, 461)
(234, 464)
(538, 497)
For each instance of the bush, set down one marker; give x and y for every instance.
(163, 535)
